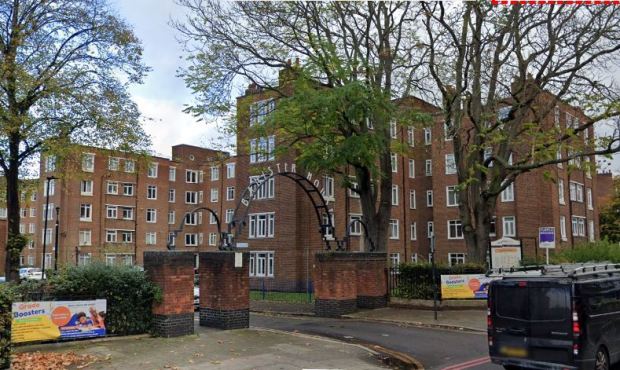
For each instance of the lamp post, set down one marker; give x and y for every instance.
(56, 240)
(45, 217)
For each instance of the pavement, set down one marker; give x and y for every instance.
(218, 349)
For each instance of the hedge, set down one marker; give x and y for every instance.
(415, 280)
(6, 299)
(129, 293)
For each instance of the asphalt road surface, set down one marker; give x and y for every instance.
(434, 348)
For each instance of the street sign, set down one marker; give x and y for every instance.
(546, 237)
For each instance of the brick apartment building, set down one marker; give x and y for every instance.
(114, 206)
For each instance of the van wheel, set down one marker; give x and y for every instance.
(601, 360)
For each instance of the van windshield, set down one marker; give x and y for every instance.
(533, 303)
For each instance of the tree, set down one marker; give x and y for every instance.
(610, 215)
(64, 71)
(524, 60)
(356, 58)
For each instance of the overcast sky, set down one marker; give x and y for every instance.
(162, 96)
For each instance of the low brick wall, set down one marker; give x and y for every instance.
(345, 281)
(173, 272)
(224, 290)
(452, 304)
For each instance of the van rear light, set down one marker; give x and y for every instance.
(576, 326)
(489, 320)
(522, 284)
(575, 349)
(490, 341)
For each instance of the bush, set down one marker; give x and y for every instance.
(598, 251)
(129, 294)
(415, 280)
(6, 299)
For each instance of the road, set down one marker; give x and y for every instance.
(434, 348)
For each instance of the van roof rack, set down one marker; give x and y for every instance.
(573, 270)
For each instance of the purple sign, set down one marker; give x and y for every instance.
(546, 237)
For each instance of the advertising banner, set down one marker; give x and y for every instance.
(469, 286)
(49, 320)
(505, 257)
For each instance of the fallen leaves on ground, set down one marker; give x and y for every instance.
(50, 361)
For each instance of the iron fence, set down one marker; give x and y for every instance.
(275, 291)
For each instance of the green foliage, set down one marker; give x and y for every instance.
(598, 251)
(129, 294)
(415, 280)
(6, 299)
(610, 216)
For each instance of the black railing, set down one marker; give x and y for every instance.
(413, 285)
(276, 291)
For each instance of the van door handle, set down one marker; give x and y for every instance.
(516, 331)
(559, 333)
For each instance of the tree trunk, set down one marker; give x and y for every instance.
(14, 244)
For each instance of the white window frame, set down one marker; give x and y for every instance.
(112, 187)
(412, 199)
(150, 215)
(230, 170)
(261, 225)
(429, 198)
(88, 162)
(394, 162)
(563, 235)
(85, 185)
(428, 136)
(151, 192)
(428, 167)
(508, 194)
(459, 259)
(86, 212)
(510, 231)
(152, 170)
(394, 229)
(561, 192)
(455, 229)
(111, 211)
(413, 231)
(450, 164)
(412, 168)
(395, 192)
(172, 174)
(215, 195)
(113, 163)
(452, 201)
(150, 238)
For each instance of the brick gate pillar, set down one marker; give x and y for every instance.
(335, 284)
(224, 290)
(372, 280)
(173, 272)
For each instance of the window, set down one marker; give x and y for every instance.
(352, 189)
(558, 155)
(191, 176)
(3, 212)
(52, 187)
(151, 238)
(260, 110)
(151, 192)
(33, 212)
(111, 236)
(561, 191)
(191, 197)
(88, 162)
(508, 194)
(130, 166)
(410, 136)
(230, 170)
(172, 194)
(591, 230)
(446, 132)
(412, 202)
(394, 195)
(328, 187)
(23, 212)
(411, 169)
(112, 187)
(151, 215)
(393, 130)
(262, 264)
(394, 162)
(111, 211)
(452, 196)
(128, 190)
(113, 164)
(427, 136)
(394, 259)
(86, 212)
(563, 228)
(430, 229)
(589, 198)
(493, 226)
(172, 174)
(428, 167)
(127, 213)
(110, 259)
(262, 149)
(456, 258)
(328, 219)
(171, 217)
(212, 239)
(230, 193)
(230, 213)
(212, 218)
(214, 195)
(450, 164)
(267, 190)
(191, 240)
(84, 259)
(48, 212)
(576, 191)
(30, 260)
(33, 197)
(413, 231)
(86, 187)
(394, 229)
(579, 226)
(50, 163)
(455, 229)
(429, 198)
(355, 226)
(152, 170)
(261, 225)
(47, 236)
(22, 228)
(127, 236)
(171, 239)
(508, 226)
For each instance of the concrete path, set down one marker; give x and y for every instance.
(473, 320)
(216, 349)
